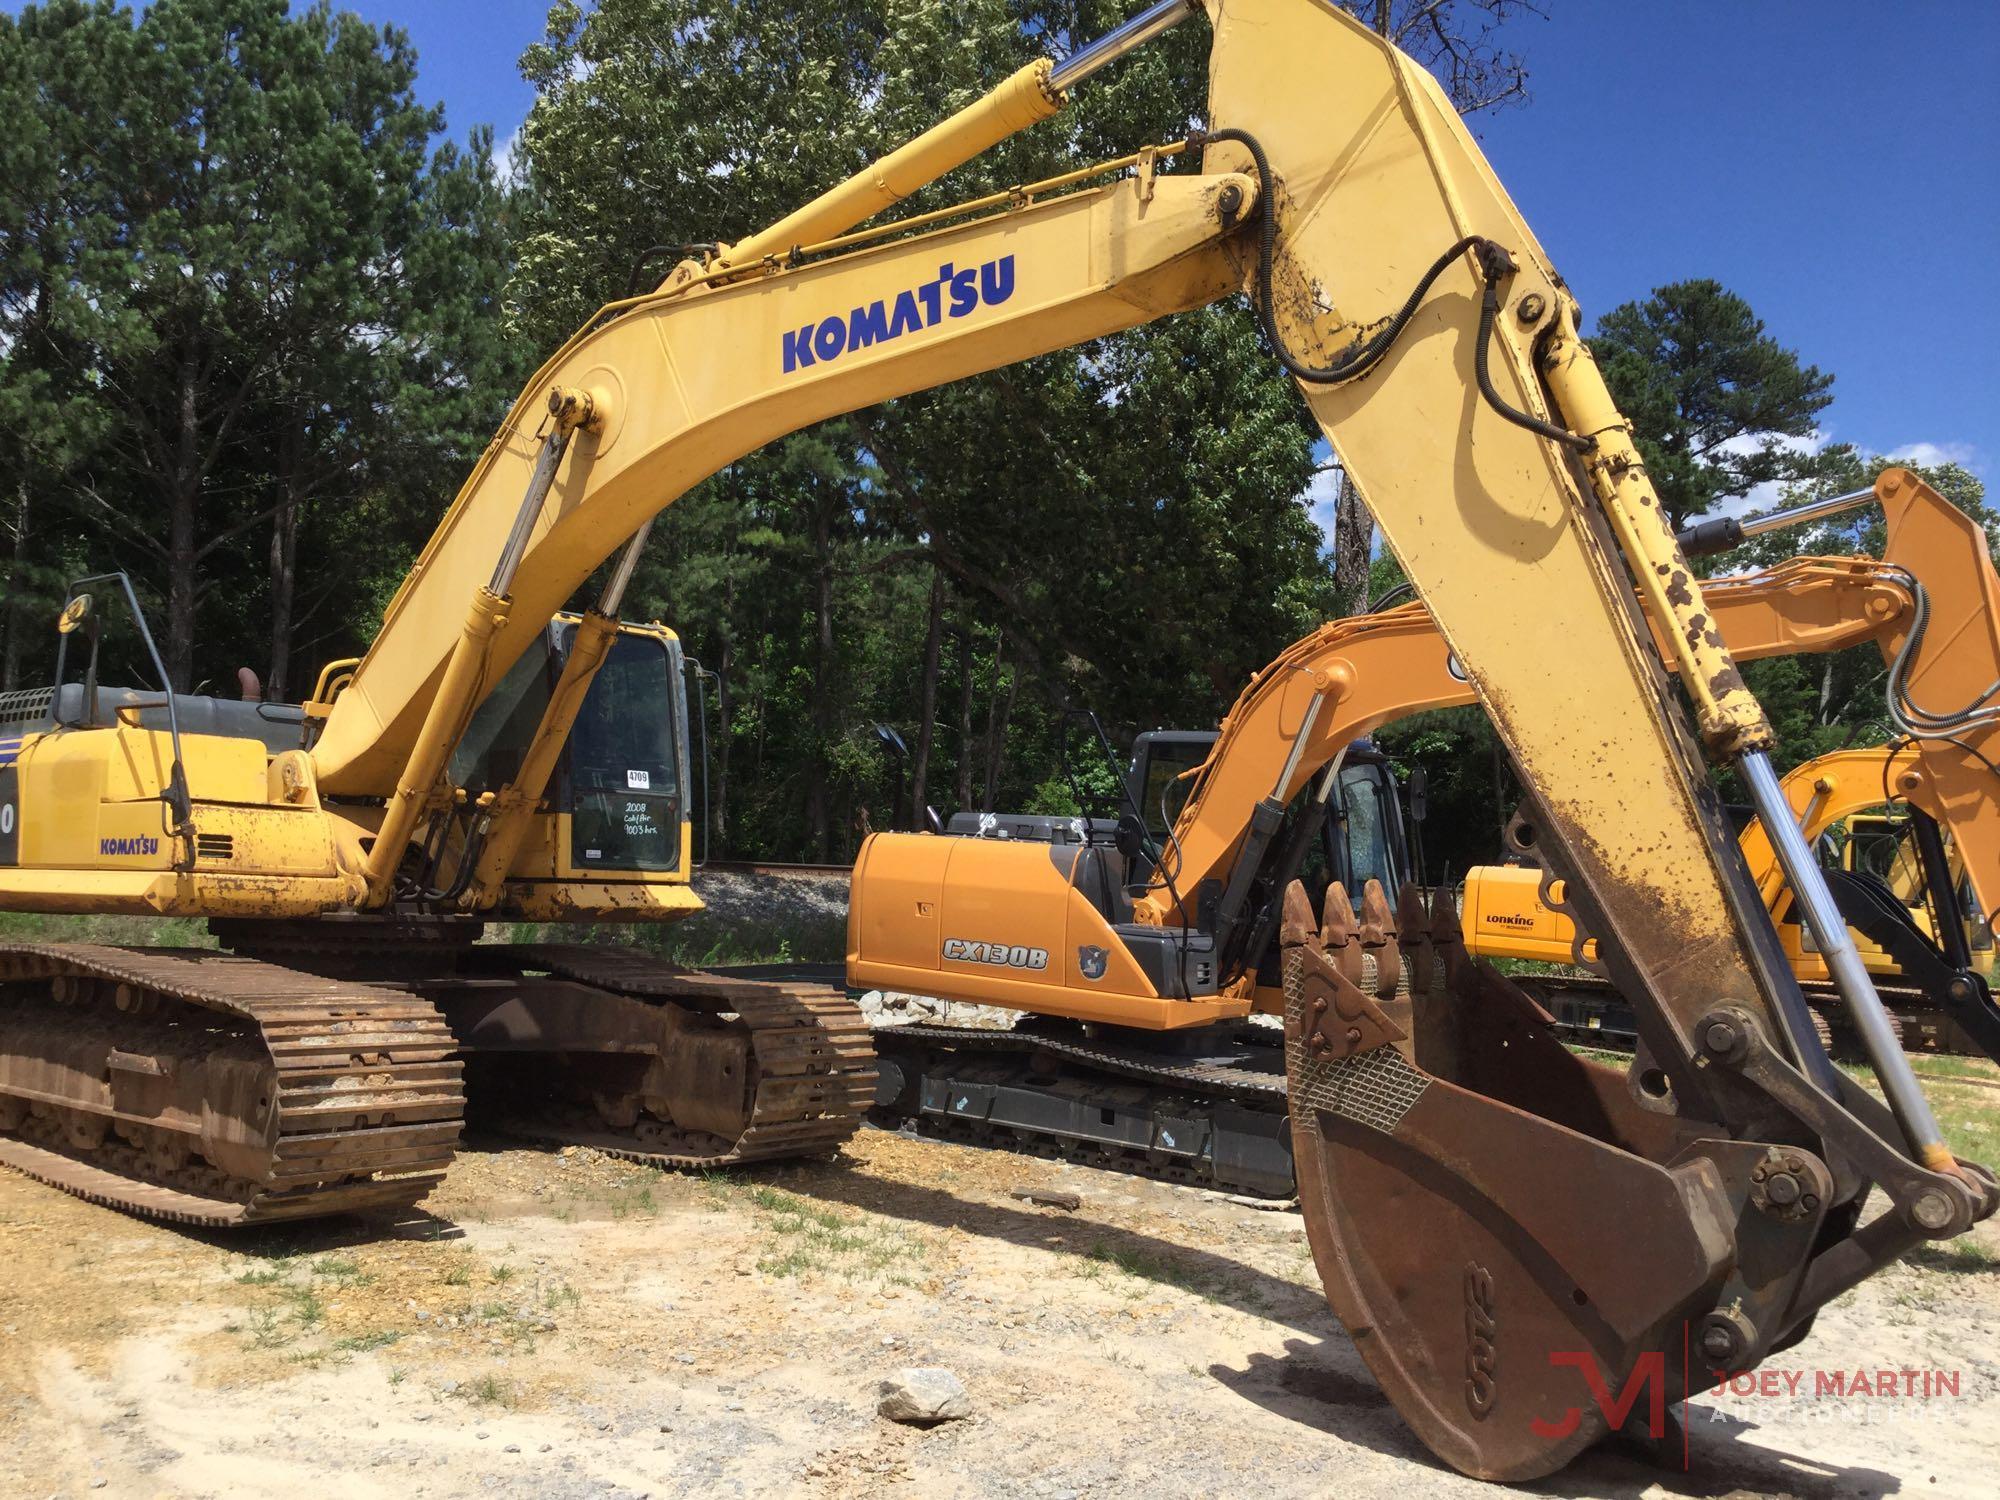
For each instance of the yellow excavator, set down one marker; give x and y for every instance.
(1925, 932)
(1488, 1212)
(1913, 907)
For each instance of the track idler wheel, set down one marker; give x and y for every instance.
(1490, 1214)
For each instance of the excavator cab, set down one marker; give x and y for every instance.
(619, 793)
(1363, 837)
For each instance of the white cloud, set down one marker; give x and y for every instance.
(1321, 494)
(504, 164)
(1924, 454)
(1769, 495)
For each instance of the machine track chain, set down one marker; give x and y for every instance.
(359, 1104)
(1133, 1063)
(1182, 1085)
(813, 1075)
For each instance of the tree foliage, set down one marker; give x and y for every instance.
(1714, 397)
(248, 316)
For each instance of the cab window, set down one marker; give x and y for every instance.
(624, 789)
(1369, 827)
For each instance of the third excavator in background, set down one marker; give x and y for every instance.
(1485, 1208)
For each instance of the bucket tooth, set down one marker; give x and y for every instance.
(1297, 923)
(1413, 938)
(1377, 932)
(1341, 1020)
(1340, 933)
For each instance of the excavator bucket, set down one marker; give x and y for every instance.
(1515, 1245)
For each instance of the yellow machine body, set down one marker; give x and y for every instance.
(89, 829)
(1505, 916)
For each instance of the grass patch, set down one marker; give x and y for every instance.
(1955, 1257)
(1140, 1266)
(812, 1239)
(641, 1204)
(137, 932)
(713, 937)
(1941, 1065)
(363, 1343)
(1970, 1114)
(1538, 966)
(341, 1271)
(291, 1309)
(304, 1307)
(459, 1272)
(264, 1329)
(488, 1390)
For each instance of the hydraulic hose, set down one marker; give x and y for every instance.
(1495, 265)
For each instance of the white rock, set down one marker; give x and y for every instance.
(923, 1395)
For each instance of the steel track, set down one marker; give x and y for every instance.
(813, 1079)
(367, 1097)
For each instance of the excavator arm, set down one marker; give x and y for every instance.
(1438, 349)
(1379, 248)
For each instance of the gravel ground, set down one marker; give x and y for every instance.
(561, 1324)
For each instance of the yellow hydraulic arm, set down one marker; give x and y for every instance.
(1501, 513)
(1438, 350)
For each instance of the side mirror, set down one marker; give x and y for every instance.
(933, 820)
(74, 614)
(1130, 838)
(1418, 791)
(899, 758)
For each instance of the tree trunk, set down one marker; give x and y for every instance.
(964, 768)
(819, 811)
(920, 761)
(184, 494)
(285, 560)
(999, 705)
(1353, 541)
(16, 624)
(724, 735)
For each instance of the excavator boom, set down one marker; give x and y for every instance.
(1439, 351)
(1587, 1215)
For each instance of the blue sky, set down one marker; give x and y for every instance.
(1838, 164)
